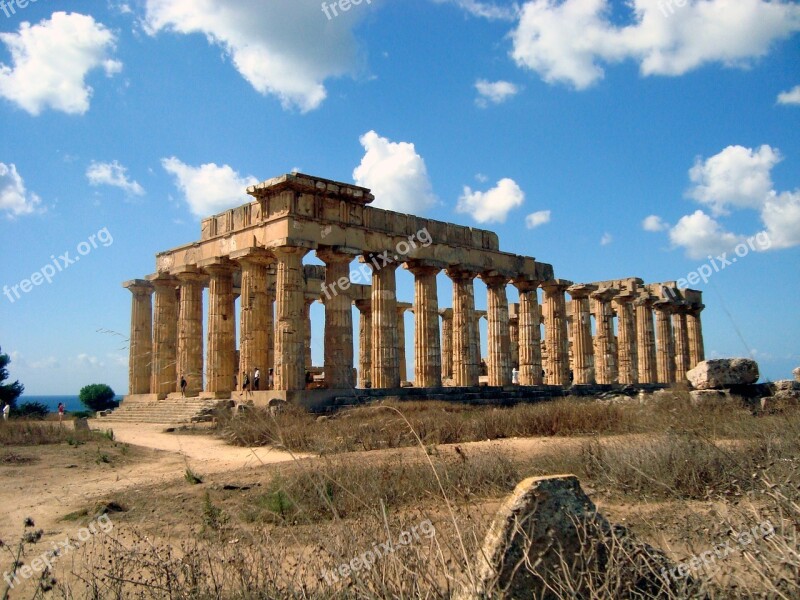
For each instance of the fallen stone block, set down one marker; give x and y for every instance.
(722, 373)
(796, 374)
(785, 385)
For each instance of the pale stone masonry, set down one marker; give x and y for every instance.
(251, 261)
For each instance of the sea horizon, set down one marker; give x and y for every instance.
(71, 402)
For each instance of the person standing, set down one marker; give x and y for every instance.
(60, 412)
(6, 411)
(515, 376)
(183, 385)
(256, 379)
(271, 378)
(246, 384)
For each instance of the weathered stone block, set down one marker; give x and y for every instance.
(786, 385)
(722, 373)
(796, 374)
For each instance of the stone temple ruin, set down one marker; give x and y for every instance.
(254, 253)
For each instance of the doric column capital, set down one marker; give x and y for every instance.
(446, 314)
(364, 306)
(459, 273)
(526, 285)
(695, 309)
(424, 267)
(624, 297)
(495, 280)
(191, 275)
(162, 281)
(257, 256)
(579, 291)
(139, 287)
(555, 286)
(337, 254)
(666, 306)
(604, 294)
(645, 300)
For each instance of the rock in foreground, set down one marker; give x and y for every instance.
(721, 373)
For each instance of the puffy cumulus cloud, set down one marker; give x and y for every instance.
(534, 220)
(284, 48)
(484, 10)
(396, 174)
(113, 174)
(571, 41)
(737, 177)
(493, 205)
(15, 200)
(790, 97)
(209, 189)
(494, 92)
(50, 62)
(654, 223)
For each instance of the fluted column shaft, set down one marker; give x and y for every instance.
(646, 340)
(338, 321)
(530, 335)
(499, 342)
(190, 332)
(290, 326)
(307, 360)
(582, 347)
(465, 370)
(680, 332)
(401, 343)
(141, 340)
(665, 348)
(556, 334)
(694, 325)
(255, 320)
(513, 334)
(427, 346)
(626, 340)
(385, 359)
(605, 347)
(221, 330)
(364, 343)
(165, 337)
(447, 343)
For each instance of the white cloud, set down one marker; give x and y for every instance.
(113, 174)
(209, 189)
(737, 177)
(494, 92)
(396, 174)
(701, 235)
(540, 217)
(15, 200)
(606, 239)
(51, 61)
(494, 205)
(485, 10)
(790, 97)
(285, 48)
(86, 360)
(654, 223)
(571, 41)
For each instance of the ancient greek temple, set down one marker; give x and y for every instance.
(251, 260)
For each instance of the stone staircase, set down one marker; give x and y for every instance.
(168, 411)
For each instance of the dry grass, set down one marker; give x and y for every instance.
(18, 432)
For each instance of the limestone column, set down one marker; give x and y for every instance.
(221, 329)
(697, 352)
(447, 343)
(681, 341)
(645, 339)
(364, 343)
(165, 336)
(401, 341)
(605, 347)
(385, 360)
(513, 332)
(427, 346)
(338, 318)
(465, 370)
(255, 316)
(530, 336)
(665, 348)
(556, 332)
(499, 342)
(190, 331)
(582, 347)
(307, 302)
(626, 339)
(475, 336)
(141, 341)
(270, 320)
(290, 326)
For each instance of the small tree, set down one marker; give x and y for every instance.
(97, 397)
(8, 392)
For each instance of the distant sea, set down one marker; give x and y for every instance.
(72, 403)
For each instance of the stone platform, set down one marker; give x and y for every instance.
(147, 408)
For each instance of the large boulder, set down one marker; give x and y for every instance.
(796, 374)
(721, 373)
(548, 541)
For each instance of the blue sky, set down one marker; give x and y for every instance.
(608, 139)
